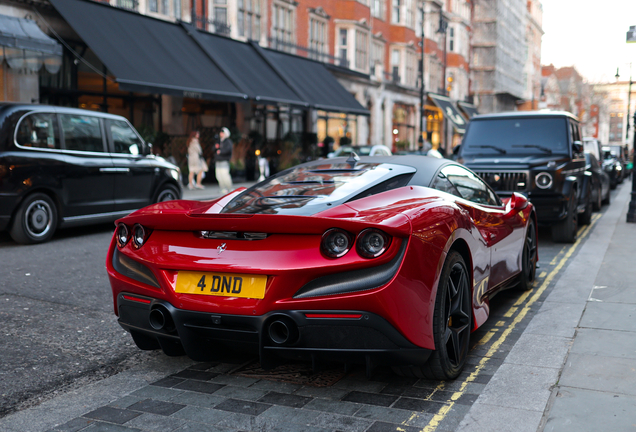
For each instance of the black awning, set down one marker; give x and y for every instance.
(449, 111)
(24, 33)
(147, 54)
(469, 109)
(313, 83)
(245, 66)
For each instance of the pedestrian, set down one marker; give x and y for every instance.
(196, 162)
(222, 161)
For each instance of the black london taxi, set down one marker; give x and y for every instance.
(65, 167)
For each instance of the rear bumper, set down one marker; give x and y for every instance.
(348, 336)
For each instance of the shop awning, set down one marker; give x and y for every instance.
(23, 43)
(313, 83)
(147, 54)
(243, 64)
(449, 111)
(469, 109)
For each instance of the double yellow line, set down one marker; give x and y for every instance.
(525, 301)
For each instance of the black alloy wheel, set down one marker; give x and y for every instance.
(452, 324)
(565, 230)
(167, 193)
(598, 199)
(529, 258)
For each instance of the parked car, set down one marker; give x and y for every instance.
(593, 146)
(535, 153)
(598, 180)
(621, 155)
(376, 260)
(362, 150)
(612, 166)
(64, 167)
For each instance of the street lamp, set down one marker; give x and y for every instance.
(631, 212)
(422, 92)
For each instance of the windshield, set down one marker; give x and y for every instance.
(307, 190)
(516, 135)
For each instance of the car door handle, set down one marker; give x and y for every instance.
(114, 170)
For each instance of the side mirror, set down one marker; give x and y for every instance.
(577, 147)
(515, 203)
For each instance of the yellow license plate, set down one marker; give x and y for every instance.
(221, 284)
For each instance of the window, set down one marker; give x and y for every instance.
(38, 130)
(317, 38)
(82, 133)
(362, 54)
(441, 183)
(249, 19)
(377, 9)
(470, 186)
(377, 58)
(395, 65)
(342, 48)
(451, 39)
(396, 12)
(153, 6)
(410, 78)
(283, 27)
(125, 140)
(177, 9)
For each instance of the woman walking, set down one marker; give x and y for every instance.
(196, 163)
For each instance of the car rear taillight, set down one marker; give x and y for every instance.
(139, 235)
(336, 243)
(122, 234)
(372, 243)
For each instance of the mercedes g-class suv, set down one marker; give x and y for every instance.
(538, 154)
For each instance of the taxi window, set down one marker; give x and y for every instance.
(82, 133)
(38, 130)
(470, 186)
(125, 140)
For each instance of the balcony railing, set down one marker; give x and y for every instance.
(303, 51)
(128, 4)
(212, 26)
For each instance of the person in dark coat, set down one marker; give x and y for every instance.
(222, 161)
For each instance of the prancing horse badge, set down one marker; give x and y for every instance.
(221, 248)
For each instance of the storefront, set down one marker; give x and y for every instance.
(404, 128)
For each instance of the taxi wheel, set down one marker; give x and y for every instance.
(35, 220)
(451, 324)
(167, 193)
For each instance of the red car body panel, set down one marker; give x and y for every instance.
(427, 221)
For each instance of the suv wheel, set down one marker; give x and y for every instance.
(598, 201)
(565, 231)
(585, 218)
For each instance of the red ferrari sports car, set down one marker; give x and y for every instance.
(375, 260)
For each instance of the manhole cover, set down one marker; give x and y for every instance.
(295, 373)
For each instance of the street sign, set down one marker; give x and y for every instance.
(631, 34)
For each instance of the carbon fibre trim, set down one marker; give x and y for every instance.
(357, 280)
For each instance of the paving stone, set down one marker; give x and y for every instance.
(241, 393)
(109, 427)
(112, 415)
(360, 385)
(199, 386)
(238, 421)
(155, 392)
(201, 415)
(606, 343)
(201, 427)
(341, 423)
(322, 392)
(390, 415)
(73, 425)
(198, 399)
(277, 386)
(168, 382)
(370, 398)
(203, 366)
(338, 407)
(195, 375)
(156, 407)
(489, 418)
(594, 372)
(155, 423)
(411, 404)
(125, 402)
(288, 415)
(233, 380)
(285, 399)
(380, 426)
(243, 407)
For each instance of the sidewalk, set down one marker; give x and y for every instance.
(211, 191)
(572, 369)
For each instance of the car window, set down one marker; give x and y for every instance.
(441, 183)
(470, 186)
(38, 130)
(125, 139)
(82, 133)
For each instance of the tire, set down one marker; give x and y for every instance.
(565, 230)
(528, 259)
(167, 193)
(598, 202)
(608, 198)
(452, 321)
(585, 218)
(35, 221)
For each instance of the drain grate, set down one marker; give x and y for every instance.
(295, 373)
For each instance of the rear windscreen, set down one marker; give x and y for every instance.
(517, 135)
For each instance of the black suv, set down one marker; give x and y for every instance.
(63, 167)
(538, 154)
